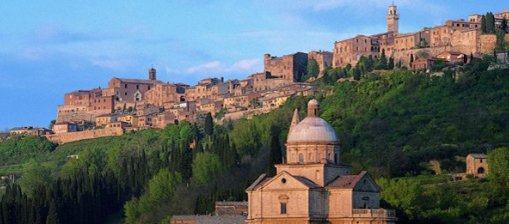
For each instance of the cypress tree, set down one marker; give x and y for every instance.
(391, 63)
(484, 29)
(276, 156)
(52, 217)
(209, 124)
(503, 25)
(490, 23)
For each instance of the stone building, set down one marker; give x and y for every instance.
(423, 64)
(64, 127)
(454, 35)
(29, 131)
(313, 186)
(290, 67)
(323, 58)
(350, 50)
(477, 165)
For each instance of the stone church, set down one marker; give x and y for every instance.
(313, 186)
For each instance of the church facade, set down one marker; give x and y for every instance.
(313, 186)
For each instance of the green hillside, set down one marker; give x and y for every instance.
(402, 127)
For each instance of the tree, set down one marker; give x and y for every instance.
(34, 177)
(276, 156)
(499, 166)
(209, 124)
(500, 43)
(503, 24)
(490, 23)
(312, 69)
(52, 217)
(484, 29)
(205, 167)
(391, 63)
(162, 186)
(51, 123)
(411, 59)
(356, 73)
(382, 63)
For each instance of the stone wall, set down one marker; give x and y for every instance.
(62, 138)
(404, 56)
(488, 42)
(80, 116)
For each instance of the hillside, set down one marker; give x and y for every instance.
(392, 123)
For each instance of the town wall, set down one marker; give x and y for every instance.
(62, 138)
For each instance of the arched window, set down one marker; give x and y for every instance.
(301, 158)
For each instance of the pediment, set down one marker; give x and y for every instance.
(285, 180)
(366, 184)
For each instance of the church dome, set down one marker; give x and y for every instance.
(312, 129)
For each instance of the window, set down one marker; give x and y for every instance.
(301, 158)
(283, 208)
(480, 170)
(125, 86)
(137, 86)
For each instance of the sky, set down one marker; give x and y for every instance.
(51, 47)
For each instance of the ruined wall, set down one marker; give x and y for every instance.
(62, 138)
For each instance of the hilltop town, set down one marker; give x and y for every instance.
(133, 104)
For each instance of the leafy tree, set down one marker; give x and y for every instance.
(205, 167)
(312, 69)
(499, 165)
(35, 176)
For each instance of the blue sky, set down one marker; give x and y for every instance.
(50, 47)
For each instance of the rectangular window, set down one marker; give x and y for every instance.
(283, 208)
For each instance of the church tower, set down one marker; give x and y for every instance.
(393, 19)
(152, 74)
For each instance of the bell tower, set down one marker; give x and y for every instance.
(393, 19)
(152, 74)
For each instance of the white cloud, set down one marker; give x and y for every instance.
(209, 66)
(114, 64)
(247, 65)
(217, 67)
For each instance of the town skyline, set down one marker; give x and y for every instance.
(65, 58)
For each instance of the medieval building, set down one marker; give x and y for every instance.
(460, 35)
(313, 186)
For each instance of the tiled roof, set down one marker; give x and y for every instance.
(306, 182)
(346, 182)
